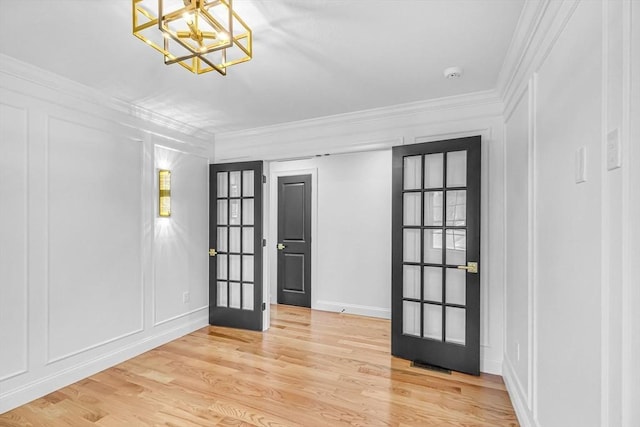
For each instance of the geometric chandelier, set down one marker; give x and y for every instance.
(200, 35)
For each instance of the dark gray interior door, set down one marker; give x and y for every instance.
(235, 239)
(435, 311)
(294, 240)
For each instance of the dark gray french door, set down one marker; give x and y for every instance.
(294, 240)
(436, 254)
(235, 239)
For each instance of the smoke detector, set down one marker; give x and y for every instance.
(453, 72)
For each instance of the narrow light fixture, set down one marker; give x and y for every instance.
(200, 35)
(164, 193)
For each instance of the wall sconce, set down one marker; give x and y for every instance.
(164, 193)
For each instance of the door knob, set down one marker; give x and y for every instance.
(281, 246)
(212, 252)
(471, 267)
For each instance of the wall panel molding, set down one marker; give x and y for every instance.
(112, 136)
(67, 115)
(517, 392)
(39, 79)
(168, 156)
(15, 182)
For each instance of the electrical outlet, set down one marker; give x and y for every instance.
(518, 352)
(186, 297)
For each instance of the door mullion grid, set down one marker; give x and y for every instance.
(241, 207)
(422, 173)
(228, 239)
(444, 244)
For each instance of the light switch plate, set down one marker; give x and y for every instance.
(581, 165)
(614, 156)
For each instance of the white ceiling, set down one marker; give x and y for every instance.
(312, 58)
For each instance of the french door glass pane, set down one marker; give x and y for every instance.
(247, 296)
(222, 267)
(234, 184)
(455, 325)
(411, 245)
(433, 208)
(433, 170)
(234, 295)
(247, 211)
(234, 267)
(412, 172)
(456, 247)
(433, 246)
(412, 209)
(222, 184)
(222, 239)
(247, 268)
(433, 321)
(411, 318)
(221, 298)
(456, 286)
(222, 212)
(457, 208)
(234, 239)
(411, 281)
(247, 184)
(457, 169)
(433, 284)
(247, 240)
(234, 212)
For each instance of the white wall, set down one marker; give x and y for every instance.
(631, 178)
(569, 243)
(89, 276)
(353, 228)
(342, 282)
(517, 289)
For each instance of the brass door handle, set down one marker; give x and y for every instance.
(212, 252)
(471, 267)
(281, 246)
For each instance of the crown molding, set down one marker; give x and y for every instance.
(539, 26)
(17, 69)
(521, 43)
(474, 99)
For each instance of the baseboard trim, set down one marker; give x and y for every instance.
(361, 310)
(57, 380)
(516, 393)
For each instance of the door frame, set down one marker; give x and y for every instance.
(272, 229)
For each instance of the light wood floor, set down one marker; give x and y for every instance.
(311, 368)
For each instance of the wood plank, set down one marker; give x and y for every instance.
(310, 368)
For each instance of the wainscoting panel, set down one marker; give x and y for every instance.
(180, 253)
(13, 230)
(94, 200)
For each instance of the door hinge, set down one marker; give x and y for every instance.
(264, 179)
(264, 243)
(264, 306)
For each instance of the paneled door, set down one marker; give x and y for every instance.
(436, 254)
(294, 240)
(235, 239)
